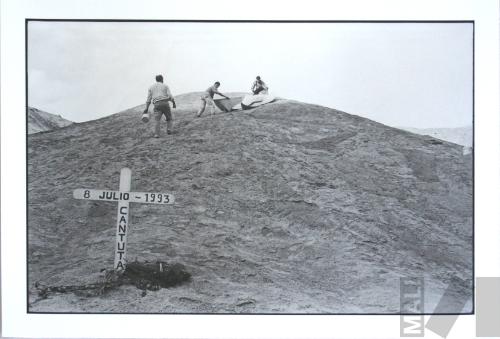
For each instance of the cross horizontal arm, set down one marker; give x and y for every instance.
(138, 197)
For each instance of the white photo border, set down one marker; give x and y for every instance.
(18, 323)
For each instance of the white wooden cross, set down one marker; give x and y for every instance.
(123, 197)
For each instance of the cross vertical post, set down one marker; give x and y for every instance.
(122, 221)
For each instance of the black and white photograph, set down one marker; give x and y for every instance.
(251, 167)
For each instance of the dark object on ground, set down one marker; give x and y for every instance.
(153, 276)
(226, 105)
(143, 275)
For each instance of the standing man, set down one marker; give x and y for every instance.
(159, 94)
(208, 96)
(259, 86)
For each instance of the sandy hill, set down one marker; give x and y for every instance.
(40, 121)
(288, 207)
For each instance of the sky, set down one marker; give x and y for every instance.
(400, 74)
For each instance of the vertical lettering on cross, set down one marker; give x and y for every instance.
(122, 221)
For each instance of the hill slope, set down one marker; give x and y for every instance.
(40, 121)
(458, 135)
(288, 207)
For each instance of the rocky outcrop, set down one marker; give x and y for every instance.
(40, 121)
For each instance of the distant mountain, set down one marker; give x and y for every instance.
(40, 121)
(285, 208)
(459, 135)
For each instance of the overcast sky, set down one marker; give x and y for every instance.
(400, 74)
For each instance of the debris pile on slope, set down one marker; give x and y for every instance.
(143, 275)
(153, 276)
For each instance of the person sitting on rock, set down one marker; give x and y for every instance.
(259, 86)
(159, 94)
(208, 97)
